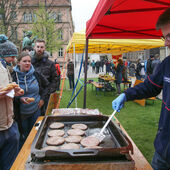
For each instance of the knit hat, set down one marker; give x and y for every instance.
(7, 48)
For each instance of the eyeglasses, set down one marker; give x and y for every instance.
(166, 38)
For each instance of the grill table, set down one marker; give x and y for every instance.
(24, 155)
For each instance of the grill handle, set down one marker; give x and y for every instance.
(84, 153)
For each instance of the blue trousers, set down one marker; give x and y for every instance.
(9, 146)
(27, 125)
(158, 163)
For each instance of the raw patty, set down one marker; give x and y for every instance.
(53, 133)
(70, 146)
(75, 132)
(54, 141)
(79, 126)
(56, 125)
(50, 148)
(90, 141)
(73, 139)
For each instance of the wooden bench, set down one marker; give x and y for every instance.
(127, 84)
(97, 86)
(142, 102)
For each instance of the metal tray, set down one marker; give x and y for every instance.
(114, 145)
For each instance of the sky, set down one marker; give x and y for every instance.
(82, 11)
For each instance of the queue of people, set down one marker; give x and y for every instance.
(35, 77)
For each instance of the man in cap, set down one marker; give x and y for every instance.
(9, 134)
(152, 86)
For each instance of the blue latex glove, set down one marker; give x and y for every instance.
(118, 103)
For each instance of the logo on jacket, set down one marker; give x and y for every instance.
(167, 79)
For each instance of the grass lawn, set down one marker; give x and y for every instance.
(140, 122)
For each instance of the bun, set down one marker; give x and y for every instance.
(30, 99)
(9, 87)
(21, 91)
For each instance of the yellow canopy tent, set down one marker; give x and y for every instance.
(112, 46)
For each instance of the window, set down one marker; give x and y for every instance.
(60, 52)
(60, 35)
(53, 16)
(35, 17)
(13, 15)
(27, 17)
(59, 17)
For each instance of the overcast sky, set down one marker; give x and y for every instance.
(82, 11)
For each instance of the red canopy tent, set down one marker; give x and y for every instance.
(124, 19)
(127, 19)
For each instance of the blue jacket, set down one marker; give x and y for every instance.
(152, 87)
(34, 85)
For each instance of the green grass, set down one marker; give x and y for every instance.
(140, 122)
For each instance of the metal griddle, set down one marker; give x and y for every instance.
(115, 145)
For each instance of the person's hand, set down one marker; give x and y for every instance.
(118, 103)
(18, 91)
(41, 102)
(24, 100)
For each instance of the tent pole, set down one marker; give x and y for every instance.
(85, 70)
(74, 73)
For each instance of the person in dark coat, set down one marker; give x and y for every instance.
(97, 64)
(70, 73)
(45, 67)
(152, 86)
(108, 65)
(118, 75)
(149, 69)
(138, 70)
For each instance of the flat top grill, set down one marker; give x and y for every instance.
(114, 145)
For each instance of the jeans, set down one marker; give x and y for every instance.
(9, 146)
(27, 125)
(71, 81)
(158, 163)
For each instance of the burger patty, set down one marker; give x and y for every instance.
(75, 132)
(56, 125)
(50, 148)
(79, 126)
(90, 141)
(70, 146)
(53, 133)
(54, 141)
(73, 139)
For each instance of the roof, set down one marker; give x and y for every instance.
(124, 19)
(113, 46)
(48, 2)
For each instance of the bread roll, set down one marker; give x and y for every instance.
(30, 99)
(9, 87)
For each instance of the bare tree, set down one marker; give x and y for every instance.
(8, 17)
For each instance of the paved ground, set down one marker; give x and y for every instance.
(90, 74)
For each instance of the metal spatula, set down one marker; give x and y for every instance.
(100, 135)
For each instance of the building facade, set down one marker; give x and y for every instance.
(59, 10)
